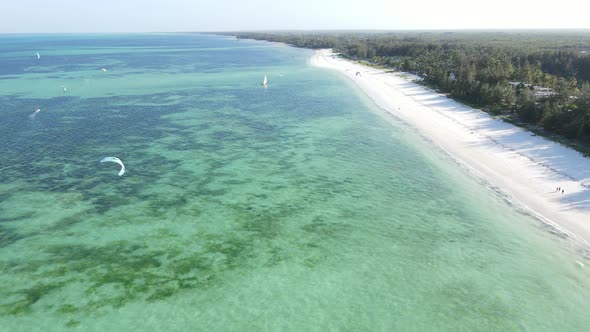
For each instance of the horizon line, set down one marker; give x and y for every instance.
(309, 30)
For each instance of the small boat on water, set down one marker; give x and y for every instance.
(264, 81)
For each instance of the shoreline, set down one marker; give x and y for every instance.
(525, 167)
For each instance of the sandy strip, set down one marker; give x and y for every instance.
(526, 168)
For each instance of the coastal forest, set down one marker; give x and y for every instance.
(538, 79)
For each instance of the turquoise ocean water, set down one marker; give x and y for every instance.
(300, 206)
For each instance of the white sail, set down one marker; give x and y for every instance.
(264, 81)
(38, 56)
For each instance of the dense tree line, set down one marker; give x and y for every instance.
(540, 76)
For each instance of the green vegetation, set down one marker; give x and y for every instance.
(122, 271)
(29, 296)
(540, 78)
(72, 323)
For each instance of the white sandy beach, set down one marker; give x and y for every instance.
(526, 168)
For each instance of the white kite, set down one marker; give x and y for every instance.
(115, 160)
(104, 69)
(38, 56)
(32, 115)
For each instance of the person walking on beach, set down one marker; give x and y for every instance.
(562, 191)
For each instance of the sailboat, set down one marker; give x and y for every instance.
(264, 81)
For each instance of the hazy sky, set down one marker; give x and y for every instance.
(216, 15)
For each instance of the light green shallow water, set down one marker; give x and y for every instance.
(296, 207)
